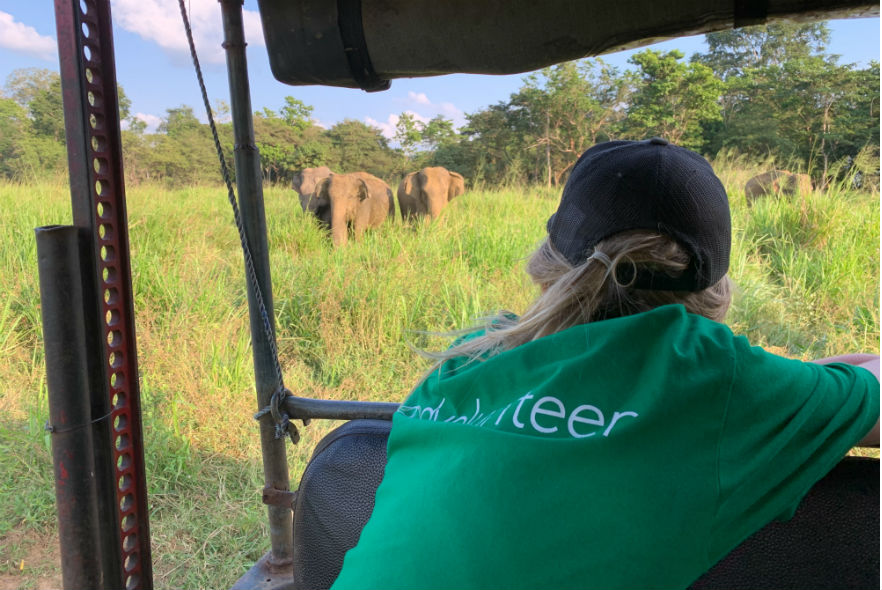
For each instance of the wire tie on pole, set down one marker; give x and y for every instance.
(62, 429)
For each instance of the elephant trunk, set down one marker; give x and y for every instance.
(339, 223)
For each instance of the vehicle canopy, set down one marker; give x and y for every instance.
(364, 44)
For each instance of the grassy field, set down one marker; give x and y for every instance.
(807, 270)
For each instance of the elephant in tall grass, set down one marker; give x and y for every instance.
(776, 182)
(304, 182)
(427, 191)
(358, 200)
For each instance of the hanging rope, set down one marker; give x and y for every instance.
(276, 408)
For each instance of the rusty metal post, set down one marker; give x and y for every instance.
(250, 188)
(91, 118)
(70, 416)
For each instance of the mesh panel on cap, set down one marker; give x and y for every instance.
(651, 185)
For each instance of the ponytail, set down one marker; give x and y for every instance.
(592, 291)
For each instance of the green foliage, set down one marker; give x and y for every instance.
(124, 103)
(408, 133)
(32, 132)
(673, 99)
(14, 124)
(491, 143)
(289, 142)
(179, 121)
(537, 135)
(770, 92)
(34, 147)
(296, 114)
(357, 146)
(784, 95)
(570, 107)
(733, 51)
(417, 138)
(24, 85)
(39, 158)
(438, 132)
(47, 112)
(181, 152)
(762, 91)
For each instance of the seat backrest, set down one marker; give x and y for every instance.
(336, 498)
(831, 542)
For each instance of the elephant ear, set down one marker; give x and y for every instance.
(321, 187)
(362, 190)
(297, 182)
(408, 182)
(456, 186)
(319, 196)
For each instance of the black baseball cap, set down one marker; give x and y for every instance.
(654, 185)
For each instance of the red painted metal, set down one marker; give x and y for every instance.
(99, 206)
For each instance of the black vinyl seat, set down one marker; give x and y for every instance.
(832, 542)
(336, 498)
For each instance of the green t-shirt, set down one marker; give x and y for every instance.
(628, 453)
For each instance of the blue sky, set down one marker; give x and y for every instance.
(154, 68)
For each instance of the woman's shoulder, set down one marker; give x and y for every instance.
(672, 323)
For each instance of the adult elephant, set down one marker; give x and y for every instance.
(776, 182)
(305, 181)
(427, 191)
(357, 199)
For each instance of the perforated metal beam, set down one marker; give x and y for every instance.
(88, 76)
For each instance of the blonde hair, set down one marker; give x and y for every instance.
(592, 291)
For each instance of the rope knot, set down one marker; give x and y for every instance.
(282, 419)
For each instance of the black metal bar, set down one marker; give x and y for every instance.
(303, 408)
(88, 76)
(250, 188)
(70, 416)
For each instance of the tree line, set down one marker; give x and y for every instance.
(767, 92)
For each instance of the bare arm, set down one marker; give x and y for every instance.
(871, 363)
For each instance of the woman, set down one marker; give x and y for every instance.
(616, 435)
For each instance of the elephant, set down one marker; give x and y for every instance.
(427, 191)
(304, 183)
(358, 199)
(776, 182)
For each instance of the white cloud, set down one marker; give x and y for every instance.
(420, 98)
(24, 39)
(428, 109)
(388, 128)
(152, 121)
(423, 110)
(160, 21)
(450, 110)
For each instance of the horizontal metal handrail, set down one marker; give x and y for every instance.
(303, 408)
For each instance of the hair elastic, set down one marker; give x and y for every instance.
(600, 257)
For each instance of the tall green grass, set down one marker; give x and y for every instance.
(348, 322)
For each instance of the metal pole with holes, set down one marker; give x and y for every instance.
(250, 189)
(91, 118)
